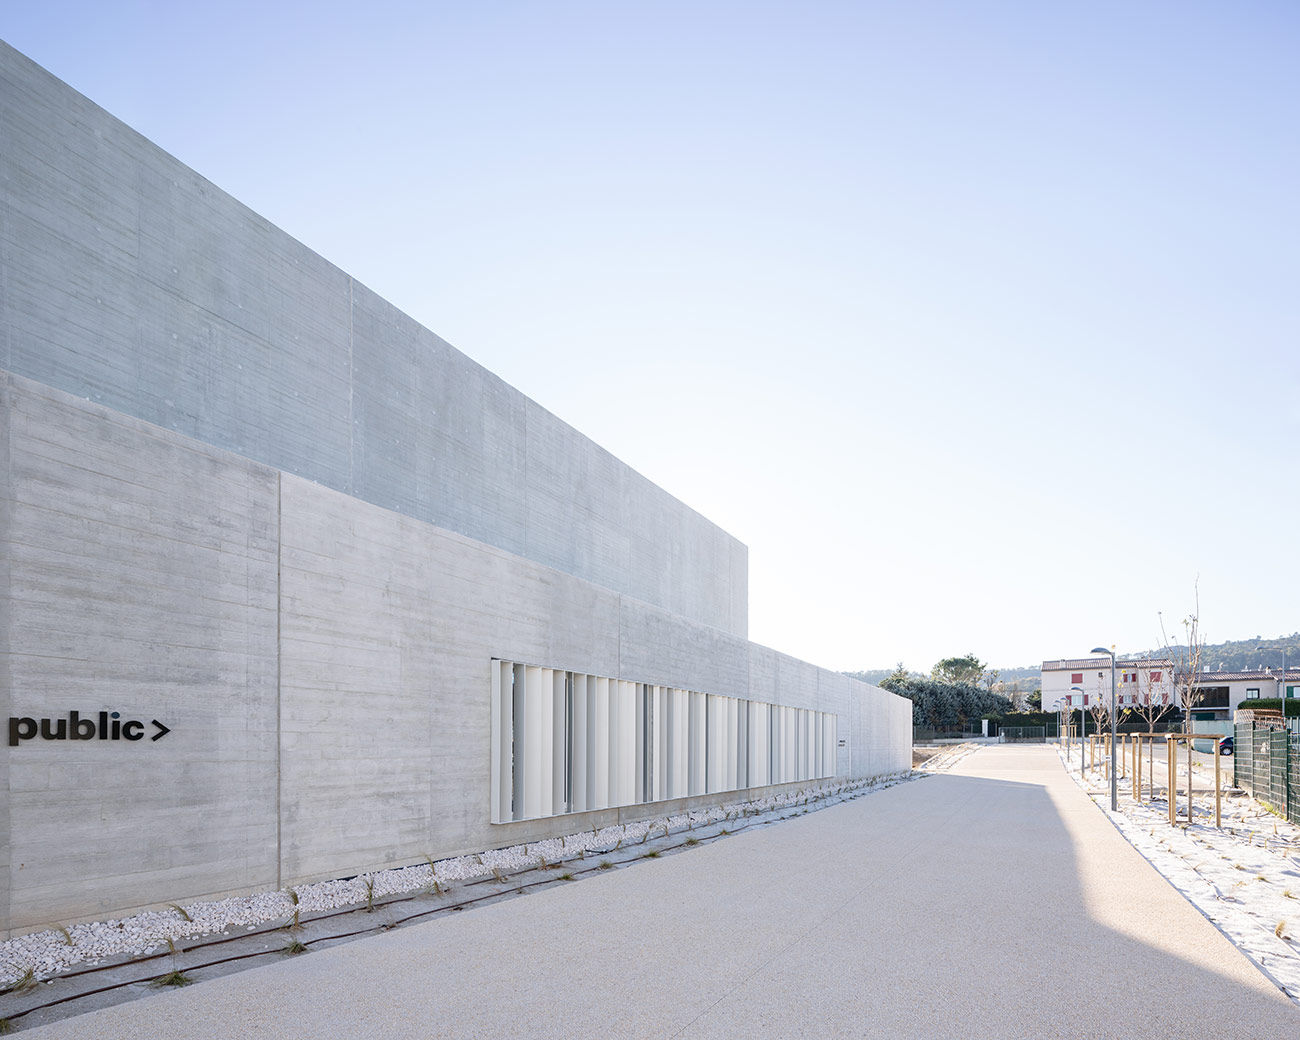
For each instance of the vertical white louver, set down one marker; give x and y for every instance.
(571, 742)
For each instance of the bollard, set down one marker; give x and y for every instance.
(1173, 790)
(1218, 796)
(1137, 768)
(1151, 764)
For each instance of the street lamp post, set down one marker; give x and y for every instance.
(1114, 788)
(1281, 683)
(1083, 714)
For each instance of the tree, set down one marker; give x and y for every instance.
(1100, 709)
(1013, 690)
(943, 705)
(957, 670)
(1150, 701)
(1187, 660)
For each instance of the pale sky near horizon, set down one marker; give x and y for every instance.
(978, 323)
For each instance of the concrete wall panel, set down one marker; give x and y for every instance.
(387, 632)
(142, 579)
(132, 281)
(578, 506)
(437, 436)
(38, 775)
(661, 648)
(145, 574)
(781, 679)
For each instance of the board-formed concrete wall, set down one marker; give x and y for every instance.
(130, 280)
(141, 579)
(323, 665)
(258, 513)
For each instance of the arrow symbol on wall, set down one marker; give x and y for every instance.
(162, 731)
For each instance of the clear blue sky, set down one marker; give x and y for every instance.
(978, 323)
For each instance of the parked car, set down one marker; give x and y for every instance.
(1225, 746)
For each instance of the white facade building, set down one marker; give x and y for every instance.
(1219, 694)
(1079, 682)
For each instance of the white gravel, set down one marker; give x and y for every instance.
(1245, 877)
(49, 952)
(944, 760)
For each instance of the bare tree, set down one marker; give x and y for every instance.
(1100, 706)
(1066, 721)
(1151, 699)
(1012, 690)
(1187, 660)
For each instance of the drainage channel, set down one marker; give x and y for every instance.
(31, 1003)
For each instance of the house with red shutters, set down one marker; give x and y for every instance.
(1078, 682)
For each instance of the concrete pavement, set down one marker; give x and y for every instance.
(992, 901)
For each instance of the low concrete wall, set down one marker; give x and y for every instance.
(322, 663)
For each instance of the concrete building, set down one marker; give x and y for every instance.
(294, 590)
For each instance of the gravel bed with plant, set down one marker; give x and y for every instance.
(1243, 876)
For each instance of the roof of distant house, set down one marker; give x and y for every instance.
(1085, 663)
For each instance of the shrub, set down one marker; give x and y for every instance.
(1290, 707)
(945, 704)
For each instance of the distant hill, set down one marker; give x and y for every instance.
(1235, 655)
(1030, 678)
(1033, 672)
(1240, 655)
(872, 676)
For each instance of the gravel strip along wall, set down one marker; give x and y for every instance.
(262, 538)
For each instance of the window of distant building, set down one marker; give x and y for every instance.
(1076, 677)
(1252, 691)
(1155, 676)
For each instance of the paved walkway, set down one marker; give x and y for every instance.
(993, 901)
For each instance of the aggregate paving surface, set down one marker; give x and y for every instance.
(993, 900)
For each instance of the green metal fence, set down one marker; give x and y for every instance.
(1266, 762)
(1293, 777)
(957, 731)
